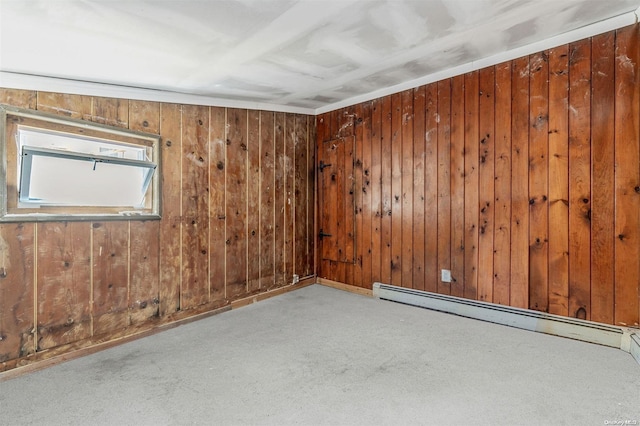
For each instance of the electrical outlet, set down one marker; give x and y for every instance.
(296, 278)
(445, 276)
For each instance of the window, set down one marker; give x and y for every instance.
(59, 169)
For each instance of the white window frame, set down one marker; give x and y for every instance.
(17, 164)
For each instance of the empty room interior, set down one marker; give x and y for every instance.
(320, 212)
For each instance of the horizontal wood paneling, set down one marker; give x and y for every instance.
(526, 175)
(237, 202)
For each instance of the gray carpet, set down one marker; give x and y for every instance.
(323, 356)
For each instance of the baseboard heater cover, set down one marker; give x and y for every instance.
(617, 337)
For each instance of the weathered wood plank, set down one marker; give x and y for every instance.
(144, 237)
(72, 106)
(18, 97)
(519, 288)
(406, 197)
(110, 254)
(444, 181)
(627, 177)
(457, 190)
(170, 269)
(110, 111)
(579, 180)
(386, 177)
(144, 116)
(280, 199)
(538, 182)
(267, 202)
(559, 180)
(359, 193)
(367, 212)
(418, 193)
(396, 189)
(376, 191)
(253, 201)
(431, 273)
(236, 195)
(195, 207)
(144, 271)
(217, 200)
(471, 184)
(486, 182)
(301, 175)
(17, 248)
(502, 187)
(602, 177)
(289, 161)
(63, 283)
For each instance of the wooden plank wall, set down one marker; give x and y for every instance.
(522, 178)
(237, 220)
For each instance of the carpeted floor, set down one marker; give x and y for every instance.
(322, 356)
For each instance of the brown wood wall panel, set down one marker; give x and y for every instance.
(627, 179)
(16, 290)
(559, 181)
(110, 276)
(521, 178)
(67, 285)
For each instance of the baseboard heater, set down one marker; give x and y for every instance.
(623, 338)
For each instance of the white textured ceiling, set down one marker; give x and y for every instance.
(310, 54)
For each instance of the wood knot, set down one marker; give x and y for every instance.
(168, 143)
(220, 165)
(145, 123)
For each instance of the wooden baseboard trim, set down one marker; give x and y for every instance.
(304, 282)
(345, 287)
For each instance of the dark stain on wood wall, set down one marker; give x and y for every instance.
(522, 178)
(237, 220)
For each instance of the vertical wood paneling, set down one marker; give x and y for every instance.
(280, 199)
(502, 187)
(110, 254)
(236, 187)
(144, 276)
(486, 182)
(63, 281)
(471, 185)
(377, 209)
(386, 170)
(396, 189)
(253, 201)
(602, 177)
(110, 111)
(289, 164)
(627, 185)
(144, 250)
(16, 290)
(431, 273)
(510, 177)
(358, 168)
(538, 184)
(559, 181)
(267, 201)
(579, 180)
(418, 168)
(407, 190)
(170, 239)
(217, 200)
(519, 288)
(366, 214)
(301, 250)
(444, 181)
(195, 207)
(457, 180)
